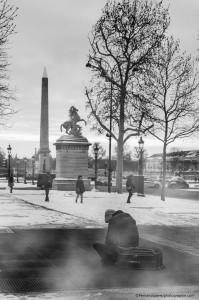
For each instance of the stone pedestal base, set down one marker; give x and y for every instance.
(71, 161)
(69, 184)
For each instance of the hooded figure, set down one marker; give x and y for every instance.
(122, 232)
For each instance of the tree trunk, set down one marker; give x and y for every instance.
(119, 175)
(164, 172)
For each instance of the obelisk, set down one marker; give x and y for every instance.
(44, 162)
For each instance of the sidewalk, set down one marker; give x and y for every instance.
(150, 210)
(170, 219)
(171, 225)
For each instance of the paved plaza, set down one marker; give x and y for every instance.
(52, 242)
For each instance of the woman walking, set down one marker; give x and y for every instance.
(79, 188)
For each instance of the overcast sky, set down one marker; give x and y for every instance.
(54, 34)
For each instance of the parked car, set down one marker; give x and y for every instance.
(102, 183)
(160, 179)
(177, 183)
(152, 184)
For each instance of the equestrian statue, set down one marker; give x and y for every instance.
(71, 126)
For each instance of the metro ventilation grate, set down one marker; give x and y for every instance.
(20, 256)
(25, 285)
(30, 273)
(12, 264)
(37, 285)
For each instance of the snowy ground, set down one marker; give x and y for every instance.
(148, 210)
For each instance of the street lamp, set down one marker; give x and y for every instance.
(141, 177)
(96, 149)
(109, 170)
(17, 161)
(9, 156)
(33, 169)
(109, 135)
(44, 164)
(141, 146)
(105, 167)
(25, 161)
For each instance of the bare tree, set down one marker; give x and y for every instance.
(127, 154)
(173, 94)
(122, 44)
(7, 28)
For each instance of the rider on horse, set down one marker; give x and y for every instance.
(72, 125)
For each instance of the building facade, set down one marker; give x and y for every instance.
(182, 163)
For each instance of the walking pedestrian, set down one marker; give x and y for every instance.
(130, 187)
(11, 182)
(80, 189)
(47, 185)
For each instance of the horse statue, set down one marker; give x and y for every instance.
(71, 126)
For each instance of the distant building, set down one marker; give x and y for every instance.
(183, 163)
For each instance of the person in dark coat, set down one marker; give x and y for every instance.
(11, 182)
(122, 232)
(47, 184)
(130, 187)
(79, 188)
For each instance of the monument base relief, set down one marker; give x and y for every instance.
(71, 156)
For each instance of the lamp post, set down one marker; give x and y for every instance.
(25, 161)
(141, 146)
(141, 177)
(105, 167)
(44, 163)
(96, 149)
(110, 127)
(17, 162)
(109, 134)
(9, 156)
(33, 169)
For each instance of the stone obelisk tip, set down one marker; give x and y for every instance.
(45, 73)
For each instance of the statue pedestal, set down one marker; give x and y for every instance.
(71, 161)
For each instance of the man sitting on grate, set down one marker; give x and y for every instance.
(122, 232)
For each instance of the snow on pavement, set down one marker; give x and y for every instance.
(149, 210)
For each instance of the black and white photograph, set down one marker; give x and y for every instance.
(99, 149)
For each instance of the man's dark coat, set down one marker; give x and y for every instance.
(122, 231)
